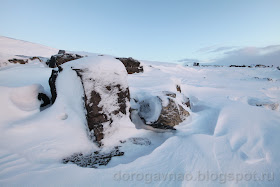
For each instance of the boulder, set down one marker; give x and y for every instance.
(131, 65)
(61, 58)
(104, 102)
(162, 112)
(61, 52)
(106, 93)
(18, 61)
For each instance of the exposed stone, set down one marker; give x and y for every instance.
(43, 97)
(178, 88)
(131, 65)
(52, 81)
(61, 58)
(163, 112)
(195, 64)
(96, 117)
(35, 57)
(261, 66)
(106, 96)
(61, 52)
(93, 160)
(18, 61)
(172, 114)
(238, 66)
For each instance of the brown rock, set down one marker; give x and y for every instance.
(131, 65)
(61, 58)
(18, 61)
(172, 114)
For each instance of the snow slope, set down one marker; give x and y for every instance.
(227, 140)
(12, 48)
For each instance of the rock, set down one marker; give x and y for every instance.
(106, 93)
(172, 114)
(18, 61)
(162, 112)
(52, 83)
(93, 160)
(237, 66)
(178, 88)
(61, 58)
(61, 52)
(98, 116)
(44, 98)
(195, 64)
(36, 58)
(261, 66)
(131, 65)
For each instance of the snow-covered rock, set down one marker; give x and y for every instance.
(131, 65)
(164, 111)
(106, 93)
(61, 58)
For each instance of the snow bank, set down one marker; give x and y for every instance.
(12, 48)
(26, 98)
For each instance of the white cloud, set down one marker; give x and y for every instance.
(269, 55)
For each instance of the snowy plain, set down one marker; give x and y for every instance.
(231, 137)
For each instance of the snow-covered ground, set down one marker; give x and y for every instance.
(231, 137)
(11, 48)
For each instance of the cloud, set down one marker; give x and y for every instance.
(232, 55)
(215, 49)
(221, 49)
(188, 60)
(269, 55)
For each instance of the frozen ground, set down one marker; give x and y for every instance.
(231, 137)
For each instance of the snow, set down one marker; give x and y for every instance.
(25, 98)
(11, 48)
(151, 108)
(226, 135)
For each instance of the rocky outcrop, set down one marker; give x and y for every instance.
(61, 58)
(106, 93)
(18, 61)
(131, 65)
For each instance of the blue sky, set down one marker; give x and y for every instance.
(189, 30)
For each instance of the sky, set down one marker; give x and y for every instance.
(179, 31)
